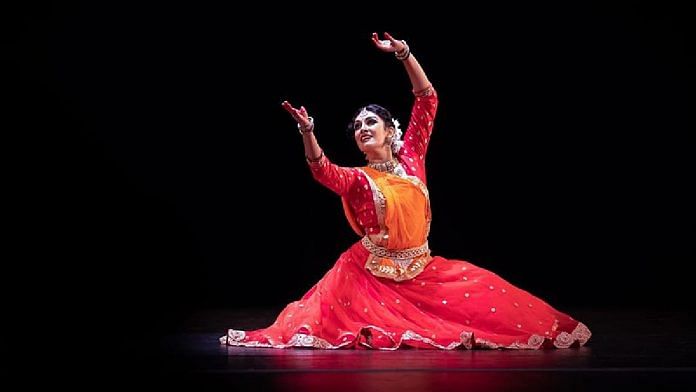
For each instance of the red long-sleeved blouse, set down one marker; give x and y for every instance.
(353, 185)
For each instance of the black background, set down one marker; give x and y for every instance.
(157, 174)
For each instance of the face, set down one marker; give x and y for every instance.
(370, 131)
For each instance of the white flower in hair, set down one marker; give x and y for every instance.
(396, 139)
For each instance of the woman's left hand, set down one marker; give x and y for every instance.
(390, 45)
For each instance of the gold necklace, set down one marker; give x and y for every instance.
(388, 166)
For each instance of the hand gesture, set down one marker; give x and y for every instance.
(389, 45)
(304, 121)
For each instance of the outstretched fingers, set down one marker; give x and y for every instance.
(382, 45)
(375, 39)
(300, 115)
(390, 44)
(293, 112)
(288, 107)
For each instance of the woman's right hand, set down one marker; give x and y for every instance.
(304, 121)
(389, 45)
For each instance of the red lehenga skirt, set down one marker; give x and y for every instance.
(451, 304)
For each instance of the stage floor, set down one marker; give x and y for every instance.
(637, 349)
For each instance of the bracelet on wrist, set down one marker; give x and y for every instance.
(403, 53)
(308, 129)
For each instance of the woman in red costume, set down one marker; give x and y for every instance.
(387, 290)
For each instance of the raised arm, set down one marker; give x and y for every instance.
(420, 125)
(334, 177)
(305, 124)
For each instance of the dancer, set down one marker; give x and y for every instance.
(387, 291)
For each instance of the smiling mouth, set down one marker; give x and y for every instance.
(365, 138)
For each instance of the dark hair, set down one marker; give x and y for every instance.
(376, 109)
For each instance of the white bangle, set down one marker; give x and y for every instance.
(309, 129)
(403, 53)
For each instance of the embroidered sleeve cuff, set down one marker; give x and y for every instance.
(424, 92)
(317, 163)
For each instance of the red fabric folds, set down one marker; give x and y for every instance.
(452, 304)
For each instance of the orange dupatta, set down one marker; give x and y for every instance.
(406, 223)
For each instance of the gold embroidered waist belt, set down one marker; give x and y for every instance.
(398, 265)
(394, 254)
